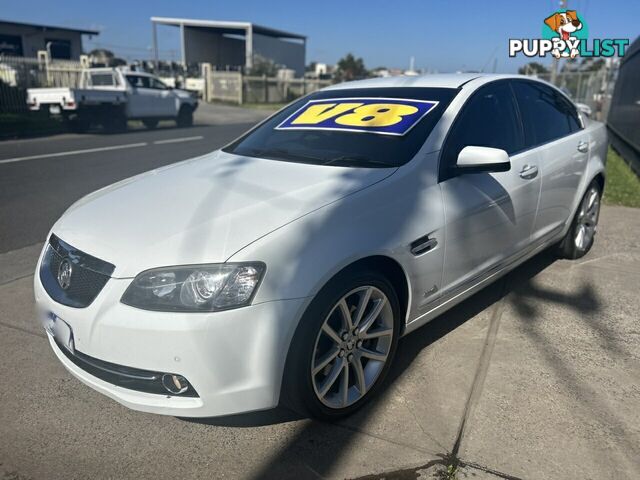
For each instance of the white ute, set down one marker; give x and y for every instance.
(111, 96)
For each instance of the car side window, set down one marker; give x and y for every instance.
(488, 119)
(546, 114)
(102, 79)
(572, 114)
(157, 84)
(138, 81)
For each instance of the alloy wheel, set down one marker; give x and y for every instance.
(587, 219)
(352, 347)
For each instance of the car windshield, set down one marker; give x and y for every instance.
(372, 127)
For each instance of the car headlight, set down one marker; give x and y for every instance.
(195, 288)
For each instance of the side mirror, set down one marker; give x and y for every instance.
(482, 159)
(586, 109)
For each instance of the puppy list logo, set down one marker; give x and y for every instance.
(565, 34)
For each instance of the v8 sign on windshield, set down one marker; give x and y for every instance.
(385, 116)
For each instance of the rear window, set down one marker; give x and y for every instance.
(373, 127)
(102, 79)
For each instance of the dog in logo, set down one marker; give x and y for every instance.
(564, 24)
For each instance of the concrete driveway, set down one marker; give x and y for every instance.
(537, 376)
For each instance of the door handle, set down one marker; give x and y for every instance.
(423, 245)
(583, 147)
(529, 171)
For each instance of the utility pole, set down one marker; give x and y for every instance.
(556, 61)
(156, 60)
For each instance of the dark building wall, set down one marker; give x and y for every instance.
(624, 114)
(204, 46)
(281, 52)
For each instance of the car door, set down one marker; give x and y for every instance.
(141, 100)
(489, 215)
(552, 126)
(165, 99)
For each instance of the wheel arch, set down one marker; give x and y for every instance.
(391, 269)
(600, 178)
(387, 266)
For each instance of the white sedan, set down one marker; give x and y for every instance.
(286, 266)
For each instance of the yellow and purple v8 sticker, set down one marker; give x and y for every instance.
(384, 116)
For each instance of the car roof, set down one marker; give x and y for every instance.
(448, 80)
(123, 71)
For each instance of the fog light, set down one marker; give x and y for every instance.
(175, 384)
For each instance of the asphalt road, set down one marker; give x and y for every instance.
(41, 177)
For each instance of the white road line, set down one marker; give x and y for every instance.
(73, 152)
(177, 140)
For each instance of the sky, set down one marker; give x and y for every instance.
(443, 36)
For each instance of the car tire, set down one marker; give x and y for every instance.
(185, 117)
(313, 387)
(150, 123)
(581, 234)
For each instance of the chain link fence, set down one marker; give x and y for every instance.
(273, 90)
(591, 88)
(224, 86)
(237, 88)
(17, 74)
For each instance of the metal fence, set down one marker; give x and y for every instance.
(273, 90)
(593, 88)
(237, 88)
(224, 86)
(19, 73)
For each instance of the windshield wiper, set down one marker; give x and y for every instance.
(281, 153)
(358, 161)
(343, 160)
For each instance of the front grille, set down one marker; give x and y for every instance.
(88, 275)
(126, 377)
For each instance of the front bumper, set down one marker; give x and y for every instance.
(234, 359)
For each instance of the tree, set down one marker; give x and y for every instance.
(263, 66)
(533, 68)
(104, 58)
(590, 64)
(569, 65)
(350, 68)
